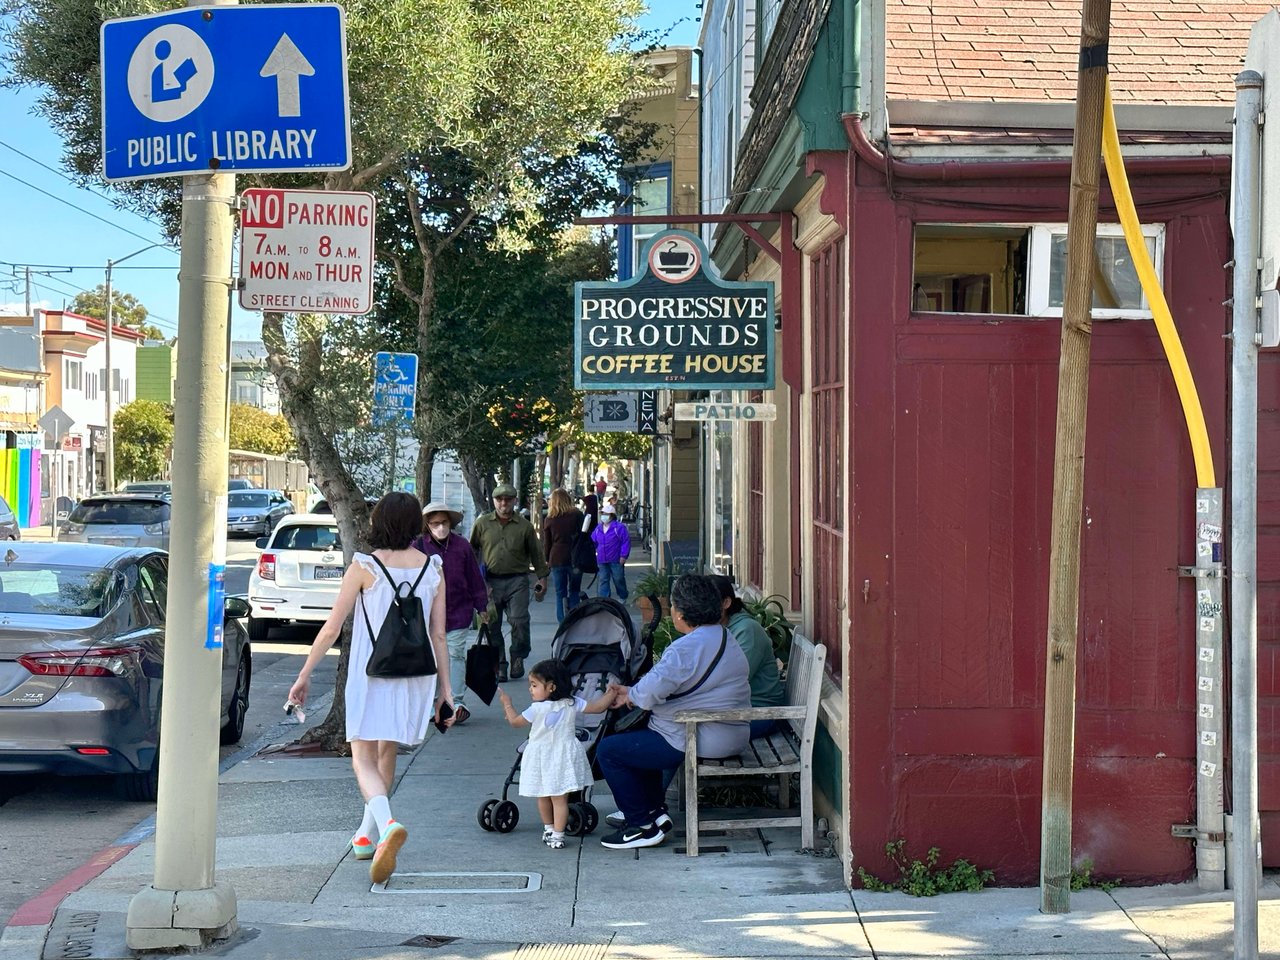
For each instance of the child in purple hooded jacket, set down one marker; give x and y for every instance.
(613, 546)
(465, 593)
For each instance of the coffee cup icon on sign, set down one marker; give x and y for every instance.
(673, 256)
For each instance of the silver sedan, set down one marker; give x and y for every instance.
(82, 636)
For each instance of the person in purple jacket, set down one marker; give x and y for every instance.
(613, 546)
(465, 593)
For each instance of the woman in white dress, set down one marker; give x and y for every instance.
(384, 712)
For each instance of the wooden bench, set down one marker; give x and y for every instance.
(787, 750)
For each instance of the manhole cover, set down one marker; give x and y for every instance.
(461, 882)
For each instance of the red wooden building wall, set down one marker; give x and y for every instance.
(951, 476)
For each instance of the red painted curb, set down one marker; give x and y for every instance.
(39, 910)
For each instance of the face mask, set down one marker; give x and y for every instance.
(607, 519)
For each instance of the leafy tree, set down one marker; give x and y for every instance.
(126, 310)
(489, 130)
(255, 429)
(143, 437)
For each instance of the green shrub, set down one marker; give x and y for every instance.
(1082, 878)
(923, 879)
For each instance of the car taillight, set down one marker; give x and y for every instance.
(154, 528)
(267, 566)
(99, 662)
(69, 527)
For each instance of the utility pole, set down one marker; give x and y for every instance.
(110, 446)
(110, 473)
(1068, 466)
(1244, 520)
(185, 907)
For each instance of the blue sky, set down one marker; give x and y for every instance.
(68, 232)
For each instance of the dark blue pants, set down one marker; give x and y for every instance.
(567, 582)
(636, 766)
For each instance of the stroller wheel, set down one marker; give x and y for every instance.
(590, 818)
(576, 821)
(484, 816)
(505, 816)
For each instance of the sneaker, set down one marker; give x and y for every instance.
(517, 668)
(555, 843)
(546, 833)
(362, 848)
(629, 838)
(460, 715)
(384, 858)
(502, 671)
(662, 821)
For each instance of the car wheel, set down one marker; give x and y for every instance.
(141, 785)
(258, 628)
(233, 730)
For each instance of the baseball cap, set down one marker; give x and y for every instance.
(504, 490)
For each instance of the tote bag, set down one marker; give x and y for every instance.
(482, 666)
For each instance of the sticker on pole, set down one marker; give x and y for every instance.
(306, 251)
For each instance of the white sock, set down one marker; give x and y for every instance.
(557, 834)
(368, 826)
(547, 830)
(380, 808)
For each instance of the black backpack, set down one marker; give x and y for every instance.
(402, 647)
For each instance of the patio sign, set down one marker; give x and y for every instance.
(675, 325)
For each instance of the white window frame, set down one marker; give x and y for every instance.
(1038, 270)
(642, 233)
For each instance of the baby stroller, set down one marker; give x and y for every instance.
(597, 642)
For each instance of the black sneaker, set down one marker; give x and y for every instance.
(662, 821)
(502, 671)
(629, 838)
(517, 668)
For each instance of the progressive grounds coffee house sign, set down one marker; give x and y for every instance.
(676, 325)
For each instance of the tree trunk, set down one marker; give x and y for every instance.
(298, 383)
(479, 483)
(425, 466)
(557, 466)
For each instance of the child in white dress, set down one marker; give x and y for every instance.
(554, 763)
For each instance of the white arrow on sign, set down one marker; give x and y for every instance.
(286, 64)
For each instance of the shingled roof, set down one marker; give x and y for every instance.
(1162, 51)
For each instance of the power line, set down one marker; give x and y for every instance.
(82, 266)
(88, 213)
(71, 180)
(159, 320)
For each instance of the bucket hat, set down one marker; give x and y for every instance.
(437, 506)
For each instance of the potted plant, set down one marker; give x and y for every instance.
(655, 583)
(770, 613)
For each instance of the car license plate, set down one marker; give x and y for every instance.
(328, 573)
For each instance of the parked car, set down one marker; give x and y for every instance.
(82, 637)
(120, 520)
(241, 483)
(256, 512)
(162, 487)
(9, 529)
(297, 575)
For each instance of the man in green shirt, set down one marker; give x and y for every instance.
(508, 549)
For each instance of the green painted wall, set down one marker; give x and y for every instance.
(818, 105)
(828, 764)
(154, 372)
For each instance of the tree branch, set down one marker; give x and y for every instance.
(397, 266)
(374, 170)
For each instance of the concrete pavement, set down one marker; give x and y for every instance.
(284, 823)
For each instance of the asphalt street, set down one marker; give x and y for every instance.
(53, 824)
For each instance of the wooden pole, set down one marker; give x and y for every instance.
(1068, 464)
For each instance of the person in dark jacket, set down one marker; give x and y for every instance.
(465, 592)
(560, 531)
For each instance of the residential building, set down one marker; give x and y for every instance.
(157, 370)
(911, 164)
(666, 183)
(73, 351)
(252, 382)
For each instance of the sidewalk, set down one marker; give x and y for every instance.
(284, 823)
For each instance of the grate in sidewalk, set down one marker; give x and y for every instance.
(429, 941)
(465, 882)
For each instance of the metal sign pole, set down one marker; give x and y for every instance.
(1244, 519)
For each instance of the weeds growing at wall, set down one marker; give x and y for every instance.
(922, 878)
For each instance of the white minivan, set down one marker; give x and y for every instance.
(298, 573)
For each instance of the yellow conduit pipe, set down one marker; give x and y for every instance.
(1173, 351)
